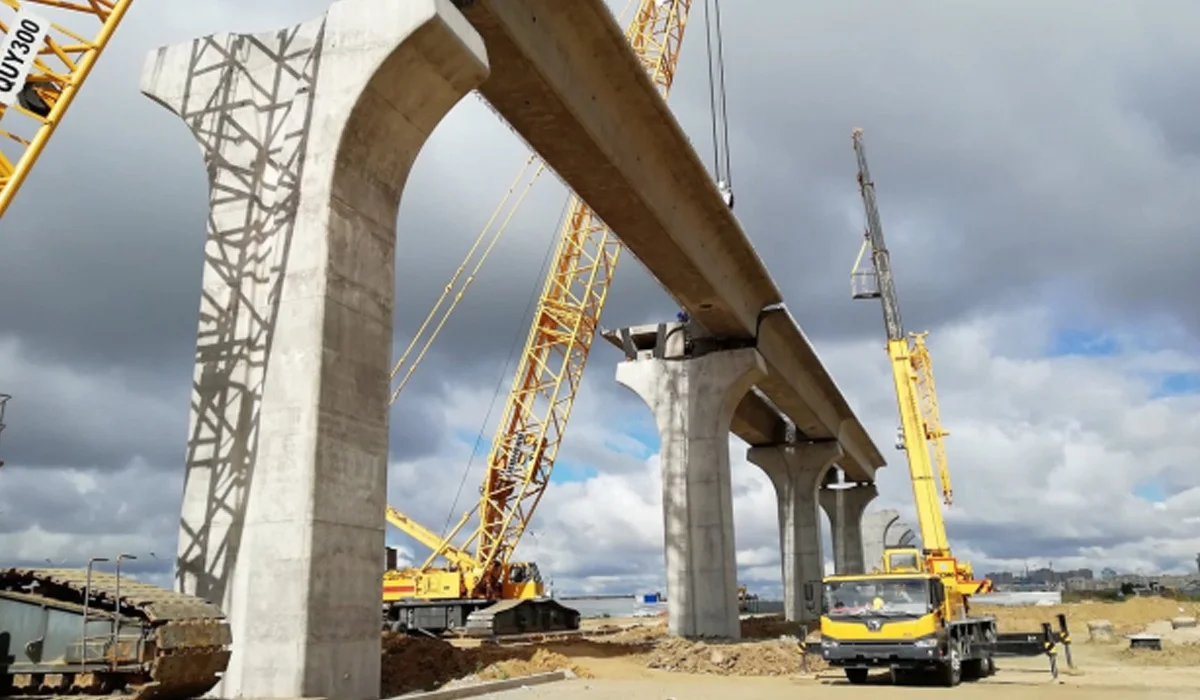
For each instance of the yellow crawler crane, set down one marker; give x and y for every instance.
(914, 615)
(483, 591)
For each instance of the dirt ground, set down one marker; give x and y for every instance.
(632, 659)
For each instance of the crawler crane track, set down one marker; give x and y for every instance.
(170, 646)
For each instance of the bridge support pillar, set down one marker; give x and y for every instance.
(797, 472)
(693, 399)
(883, 529)
(845, 508)
(308, 134)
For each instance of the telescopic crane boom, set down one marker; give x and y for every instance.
(912, 373)
(915, 614)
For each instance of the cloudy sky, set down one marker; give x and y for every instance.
(1033, 162)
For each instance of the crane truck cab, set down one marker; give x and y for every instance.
(906, 619)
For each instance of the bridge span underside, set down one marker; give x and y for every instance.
(308, 135)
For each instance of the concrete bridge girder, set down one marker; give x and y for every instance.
(564, 78)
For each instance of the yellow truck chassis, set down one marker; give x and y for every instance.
(962, 649)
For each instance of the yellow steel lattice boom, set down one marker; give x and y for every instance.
(568, 314)
(35, 95)
(921, 429)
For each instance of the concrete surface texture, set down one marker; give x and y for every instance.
(883, 529)
(282, 515)
(845, 507)
(693, 401)
(564, 78)
(797, 472)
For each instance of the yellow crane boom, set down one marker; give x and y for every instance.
(43, 63)
(564, 326)
(916, 395)
(529, 435)
(914, 616)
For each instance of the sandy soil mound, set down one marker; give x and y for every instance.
(414, 663)
(1172, 654)
(770, 628)
(763, 658)
(422, 663)
(1127, 617)
(510, 665)
(638, 634)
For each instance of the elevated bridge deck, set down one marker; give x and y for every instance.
(565, 79)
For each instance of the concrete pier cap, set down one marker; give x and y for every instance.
(308, 134)
(692, 391)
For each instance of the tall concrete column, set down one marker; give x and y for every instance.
(845, 508)
(308, 134)
(883, 529)
(797, 471)
(693, 401)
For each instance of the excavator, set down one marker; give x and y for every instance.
(83, 631)
(914, 615)
(484, 592)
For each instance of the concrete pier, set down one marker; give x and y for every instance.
(797, 472)
(883, 529)
(308, 134)
(692, 395)
(845, 507)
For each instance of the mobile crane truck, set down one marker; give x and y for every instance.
(914, 615)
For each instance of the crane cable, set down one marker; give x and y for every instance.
(458, 273)
(505, 376)
(718, 106)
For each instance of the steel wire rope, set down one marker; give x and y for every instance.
(463, 266)
(467, 284)
(717, 99)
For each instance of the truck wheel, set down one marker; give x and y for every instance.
(856, 675)
(950, 672)
(988, 666)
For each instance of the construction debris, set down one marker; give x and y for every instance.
(1100, 631)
